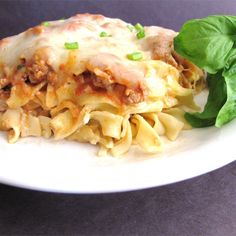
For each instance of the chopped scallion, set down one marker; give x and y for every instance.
(139, 27)
(130, 27)
(73, 45)
(46, 23)
(140, 34)
(135, 56)
(104, 34)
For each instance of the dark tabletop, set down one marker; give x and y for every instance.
(205, 205)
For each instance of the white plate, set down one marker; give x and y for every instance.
(74, 168)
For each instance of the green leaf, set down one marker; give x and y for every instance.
(216, 99)
(228, 111)
(207, 42)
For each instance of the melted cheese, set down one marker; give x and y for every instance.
(84, 29)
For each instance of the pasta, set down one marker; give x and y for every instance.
(95, 79)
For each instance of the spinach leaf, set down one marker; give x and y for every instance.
(207, 42)
(216, 99)
(228, 111)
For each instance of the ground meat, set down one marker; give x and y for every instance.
(37, 71)
(39, 67)
(4, 95)
(132, 96)
(113, 89)
(99, 81)
(162, 45)
(4, 82)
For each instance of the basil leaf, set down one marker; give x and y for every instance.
(216, 99)
(207, 42)
(228, 111)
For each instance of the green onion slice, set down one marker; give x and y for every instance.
(73, 45)
(139, 27)
(135, 56)
(140, 34)
(130, 27)
(104, 34)
(46, 23)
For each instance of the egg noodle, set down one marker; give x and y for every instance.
(95, 79)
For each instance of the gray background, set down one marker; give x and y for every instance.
(204, 205)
